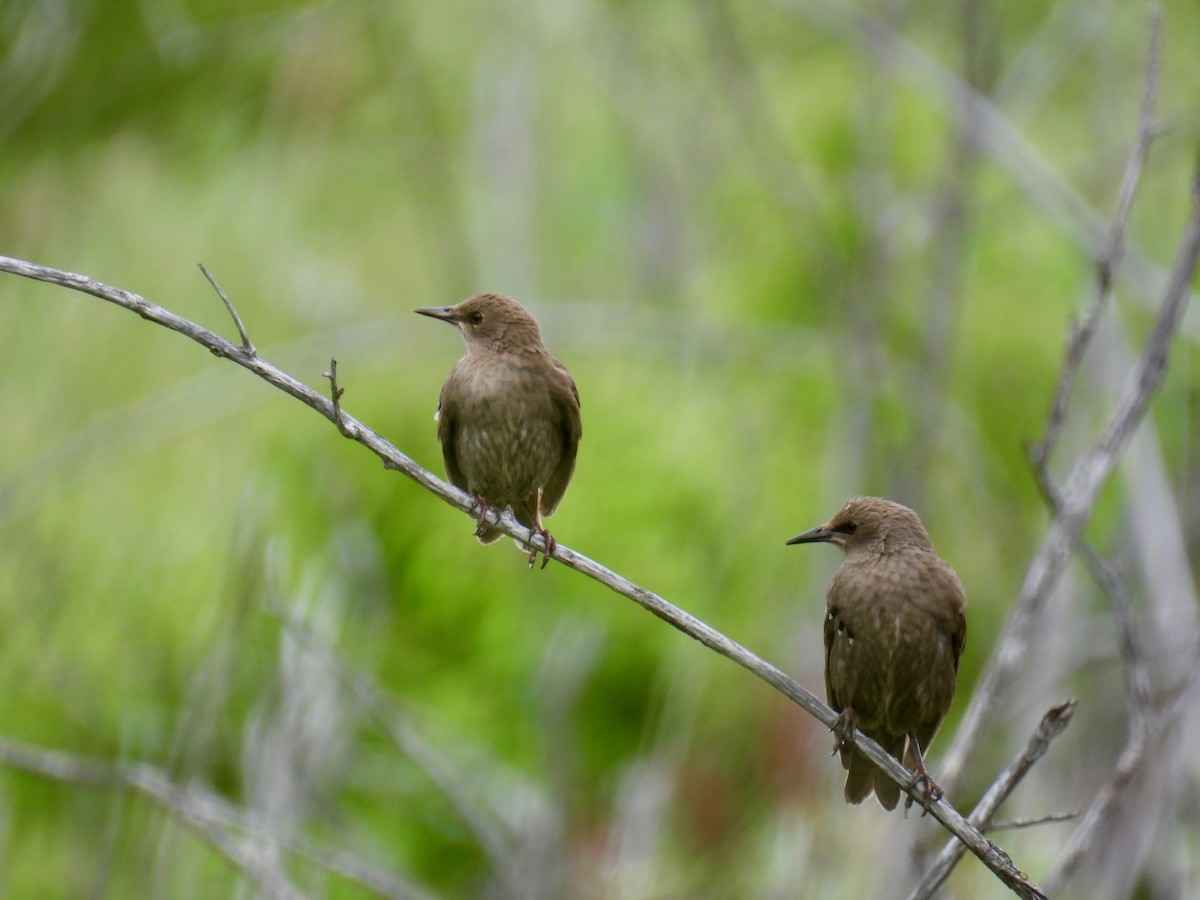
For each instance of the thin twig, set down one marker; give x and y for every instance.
(1113, 250)
(237, 320)
(988, 852)
(1050, 819)
(1050, 727)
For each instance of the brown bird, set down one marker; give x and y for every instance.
(895, 625)
(508, 416)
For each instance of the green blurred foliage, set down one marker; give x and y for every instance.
(779, 276)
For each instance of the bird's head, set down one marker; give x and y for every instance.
(869, 524)
(490, 321)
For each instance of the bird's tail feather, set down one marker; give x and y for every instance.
(487, 534)
(860, 778)
(864, 776)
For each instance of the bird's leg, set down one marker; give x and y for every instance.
(931, 791)
(481, 522)
(843, 730)
(551, 543)
(531, 511)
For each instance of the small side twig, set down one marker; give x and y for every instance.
(1050, 727)
(335, 396)
(237, 320)
(1050, 819)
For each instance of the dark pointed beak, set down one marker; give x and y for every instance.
(445, 313)
(817, 535)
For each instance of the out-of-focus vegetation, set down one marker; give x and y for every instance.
(781, 271)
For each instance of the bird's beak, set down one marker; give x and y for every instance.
(445, 313)
(820, 534)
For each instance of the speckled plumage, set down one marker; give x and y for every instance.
(508, 415)
(895, 625)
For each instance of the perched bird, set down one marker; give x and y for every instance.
(895, 625)
(508, 416)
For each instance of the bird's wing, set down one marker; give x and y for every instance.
(566, 406)
(958, 637)
(830, 631)
(952, 618)
(447, 431)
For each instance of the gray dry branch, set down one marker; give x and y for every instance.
(991, 854)
(1078, 497)
(238, 837)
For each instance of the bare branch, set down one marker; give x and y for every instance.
(1051, 726)
(999, 138)
(1082, 488)
(487, 829)
(210, 816)
(1112, 252)
(1144, 731)
(988, 851)
(1138, 678)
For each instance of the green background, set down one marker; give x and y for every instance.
(784, 268)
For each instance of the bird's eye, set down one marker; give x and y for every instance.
(849, 528)
(476, 318)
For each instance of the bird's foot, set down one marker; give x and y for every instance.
(551, 543)
(481, 519)
(930, 790)
(843, 730)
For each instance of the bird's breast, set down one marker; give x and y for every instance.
(889, 652)
(508, 438)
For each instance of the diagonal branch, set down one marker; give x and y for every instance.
(997, 135)
(987, 850)
(1113, 251)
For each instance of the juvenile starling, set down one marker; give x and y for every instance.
(895, 625)
(508, 416)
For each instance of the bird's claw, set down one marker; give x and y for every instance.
(930, 791)
(481, 520)
(843, 730)
(551, 543)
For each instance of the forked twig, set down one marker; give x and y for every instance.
(1050, 727)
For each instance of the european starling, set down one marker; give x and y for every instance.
(508, 416)
(895, 625)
